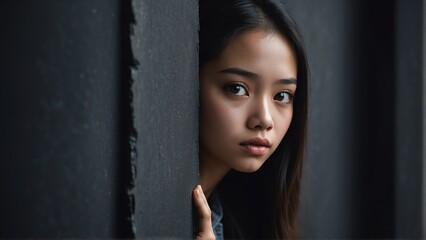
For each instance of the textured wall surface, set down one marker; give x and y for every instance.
(60, 125)
(165, 92)
(99, 118)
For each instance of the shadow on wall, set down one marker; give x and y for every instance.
(365, 168)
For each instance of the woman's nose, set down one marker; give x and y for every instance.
(260, 116)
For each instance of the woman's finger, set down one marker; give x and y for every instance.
(205, 222)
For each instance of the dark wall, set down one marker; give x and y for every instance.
(165, 93)
(99, 118)
(365, 169)
(410, 179)
(330, 206)
(60, 118)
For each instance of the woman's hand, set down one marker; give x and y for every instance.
(205, 229)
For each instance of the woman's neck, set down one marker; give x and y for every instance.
(211, 173)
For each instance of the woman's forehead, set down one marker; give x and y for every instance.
(259, 50)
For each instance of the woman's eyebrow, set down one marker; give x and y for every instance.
(240, 72)
(254, 76)
(287, 81)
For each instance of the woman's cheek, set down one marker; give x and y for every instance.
(285, 124)
(222, 117)
(211, 118)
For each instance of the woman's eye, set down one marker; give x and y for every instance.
(236, 89)
(284, 97)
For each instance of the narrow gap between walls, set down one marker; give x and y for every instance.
(127, 159)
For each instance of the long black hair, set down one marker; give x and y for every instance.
(262, 204)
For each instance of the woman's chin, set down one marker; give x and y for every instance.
(249, 168)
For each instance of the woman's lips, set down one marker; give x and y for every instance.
(256, 146)
(255, 149)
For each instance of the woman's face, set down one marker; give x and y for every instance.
(247, 100)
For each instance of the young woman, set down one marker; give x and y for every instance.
(253, 114)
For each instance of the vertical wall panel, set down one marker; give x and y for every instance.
(424, 119)
(409, 123)
(60, 127)
(165, 93)
(329, 206)
(367, 68)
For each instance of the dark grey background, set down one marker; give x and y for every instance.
(365, 167)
